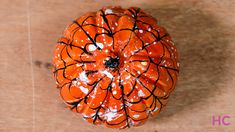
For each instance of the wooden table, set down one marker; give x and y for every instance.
(203, 31)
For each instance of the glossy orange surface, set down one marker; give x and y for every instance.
(116, 66)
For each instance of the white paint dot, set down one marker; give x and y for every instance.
(140, 93)
(91, 47)
(83, 77)
(108, 74)
(141, 31)
(178, 64)
(128, 77)
(78, 65)
(144, 63)
(108, 11)
(101, 45)
(84, 90)
(136, 116)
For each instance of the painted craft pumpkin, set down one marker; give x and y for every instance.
(116, 66)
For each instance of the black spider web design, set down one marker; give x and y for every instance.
(68, 44)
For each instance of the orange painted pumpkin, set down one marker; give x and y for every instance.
(116, 66)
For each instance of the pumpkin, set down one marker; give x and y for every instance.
(116, 67)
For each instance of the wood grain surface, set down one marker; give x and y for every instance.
(203, 31)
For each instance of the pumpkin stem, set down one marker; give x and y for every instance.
(112, 63)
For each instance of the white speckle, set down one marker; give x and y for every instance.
(113, 109)
(136, 116)
(150, 53)
(91, 47)
(109, 116)
(76, 83)
(83, 77)
(125, 55)
(78, 65)
(106, 51)
(84, 90)
(100, 113)
(172, 43)
(108, 11)
(141, 31)
(149, 29)
(116, 24)
(107, 58)
(108, 74)
(154, 42)
(141, 94)
(128, 104)
(112, 28)
(100, 45)
(167, 79)
(138, 72)
(128, 77)
(82, 40)
(155, 109)
(144, 63)
(114, 92)
(178, 64)
(113, 84)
